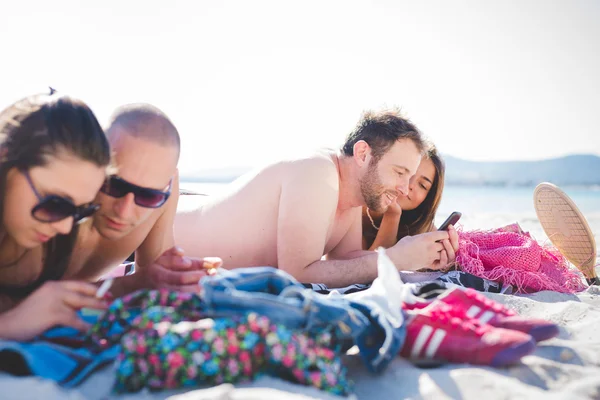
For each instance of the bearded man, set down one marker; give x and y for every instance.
(303, 216)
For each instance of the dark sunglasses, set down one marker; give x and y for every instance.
(53, 208)
(143, 197)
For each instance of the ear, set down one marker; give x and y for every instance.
(362, 152)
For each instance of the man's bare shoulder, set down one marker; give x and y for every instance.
(318, 166)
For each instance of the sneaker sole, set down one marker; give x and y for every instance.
(513, 354)
(544, 332)
(566, 227)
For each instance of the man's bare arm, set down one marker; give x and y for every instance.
(160, 237)
(307, 210)
(6, 302)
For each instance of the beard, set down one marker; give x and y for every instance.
(371, 188)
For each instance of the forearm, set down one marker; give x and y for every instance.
(7, 330)
(340, 273)
(388, 232)
(6, 303)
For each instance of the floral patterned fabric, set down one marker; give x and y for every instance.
(167, 343)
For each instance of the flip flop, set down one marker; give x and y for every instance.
(566, 228)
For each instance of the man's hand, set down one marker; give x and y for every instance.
(174, 271)
(448, 256)
(54, 303)
(427, 250)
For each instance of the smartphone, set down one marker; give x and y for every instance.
(451, 220)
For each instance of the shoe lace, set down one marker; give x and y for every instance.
(494, 305)
(448, 315)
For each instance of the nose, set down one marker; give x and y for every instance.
(63, 226)
(124, 206)
(402, 186)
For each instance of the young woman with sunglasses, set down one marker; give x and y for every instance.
(412, 214)
(53, 160)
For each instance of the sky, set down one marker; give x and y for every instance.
(248, 82)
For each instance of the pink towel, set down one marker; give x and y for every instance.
(513, 257)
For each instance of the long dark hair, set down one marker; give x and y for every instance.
(33, 129)
(420, 220)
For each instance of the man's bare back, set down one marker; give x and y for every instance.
(241, 225)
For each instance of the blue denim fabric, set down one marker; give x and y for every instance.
(277, 295)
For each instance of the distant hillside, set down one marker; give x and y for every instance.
(569, 170)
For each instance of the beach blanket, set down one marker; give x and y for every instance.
(513, 257)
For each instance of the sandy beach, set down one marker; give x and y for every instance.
(567, 367)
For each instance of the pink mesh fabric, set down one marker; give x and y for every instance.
(511, 256)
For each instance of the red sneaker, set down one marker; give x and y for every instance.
(468, 303)
(436, 334)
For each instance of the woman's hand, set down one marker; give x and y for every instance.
(394, 209)
(54, 303)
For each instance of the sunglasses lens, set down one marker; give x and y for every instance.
(115, 187)
(150, 199)
(53, 209)
(118, 187)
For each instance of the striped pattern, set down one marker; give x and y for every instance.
(427, 334)
(475, 313)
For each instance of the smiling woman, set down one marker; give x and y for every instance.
(53, 160)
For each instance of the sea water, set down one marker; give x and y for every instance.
(485, 207)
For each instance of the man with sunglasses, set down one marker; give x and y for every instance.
(137, 205)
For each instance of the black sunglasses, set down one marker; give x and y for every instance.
(53, 208)
(143, 197)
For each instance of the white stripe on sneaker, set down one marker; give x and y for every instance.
(473, 311)
(486, 316)
(435, 342)
(421, 340)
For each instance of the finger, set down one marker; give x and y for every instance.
(173, 251)
(443, 259)
(77, 301)
(437, 247)
(453, 237)
(71, 319)
(438, 264)
(177, 251)
(206, 263)
(449, 250)
(84, 288)
(178, 278)
(175, 262)
(436, 235)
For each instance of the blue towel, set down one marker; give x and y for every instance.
(61, 354)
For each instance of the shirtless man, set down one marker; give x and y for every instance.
(292, 213)
(138, 205)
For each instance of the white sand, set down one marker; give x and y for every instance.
(567, 367)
